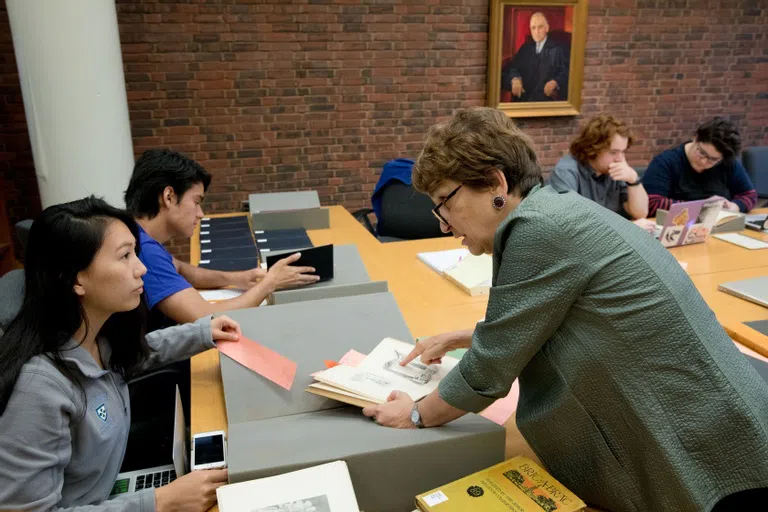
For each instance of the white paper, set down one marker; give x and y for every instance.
(221, 294)
(440, 261)
(742, 240)
(435, 498)
(723, 216)
(473, 271)
(327, 488)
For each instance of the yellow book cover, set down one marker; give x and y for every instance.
(517, 484)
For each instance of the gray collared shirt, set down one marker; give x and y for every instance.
(61, 449)
(569, 174)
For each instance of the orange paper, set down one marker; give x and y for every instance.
(258, 358)
(330, 364)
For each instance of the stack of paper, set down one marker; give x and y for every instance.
(380, 373)
(323, 488)
(473, 274)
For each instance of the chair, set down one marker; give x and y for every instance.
(755, 161)
(11, 297)
(405, 215)
(22, 232)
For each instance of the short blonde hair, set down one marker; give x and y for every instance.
(468, 148)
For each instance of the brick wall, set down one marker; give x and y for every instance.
(279, 95)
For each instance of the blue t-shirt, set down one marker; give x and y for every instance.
(162, 279)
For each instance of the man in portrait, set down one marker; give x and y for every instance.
(539, 69)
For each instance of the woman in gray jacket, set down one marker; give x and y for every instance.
(65, 360)
(631, 393)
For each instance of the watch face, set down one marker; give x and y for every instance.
(415, 416)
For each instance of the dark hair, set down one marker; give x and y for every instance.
(157, 169)
(470, 146)
(596, 136)
(62, 242)
(722, 134)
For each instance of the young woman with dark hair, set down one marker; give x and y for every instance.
(65, 360)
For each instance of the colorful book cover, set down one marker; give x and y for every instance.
(517, 484)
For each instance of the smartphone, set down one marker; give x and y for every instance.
(209, 450)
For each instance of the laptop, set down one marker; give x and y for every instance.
(754, 290)
(757, 222)
(133, 481)
(690, 222)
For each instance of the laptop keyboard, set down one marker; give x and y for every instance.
(160, 478)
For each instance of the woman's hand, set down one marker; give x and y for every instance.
(224, 328)
(193, 492)
(395, 413)
(434, 348)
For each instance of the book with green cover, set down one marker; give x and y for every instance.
(518, 485)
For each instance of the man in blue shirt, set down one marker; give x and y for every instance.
(164, 195)
(704, 168)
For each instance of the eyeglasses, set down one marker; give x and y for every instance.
(704, 155)
(436, 209)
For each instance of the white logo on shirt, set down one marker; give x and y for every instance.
(101, 412)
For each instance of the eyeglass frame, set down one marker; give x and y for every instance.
(703, 155)
(436, 209)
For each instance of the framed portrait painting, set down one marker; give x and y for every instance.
(536, 56)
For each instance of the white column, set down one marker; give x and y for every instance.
(71, 72)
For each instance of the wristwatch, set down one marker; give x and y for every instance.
(416, 417)
(638, 182)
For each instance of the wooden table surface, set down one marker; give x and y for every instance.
(430, 304)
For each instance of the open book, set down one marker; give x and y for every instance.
(379, 374)
(324, 488)
(473, 274)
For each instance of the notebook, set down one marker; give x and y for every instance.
(321, 258)
(473, 274)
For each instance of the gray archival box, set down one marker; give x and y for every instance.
(349, 278)
(272, 430)
(288, 210)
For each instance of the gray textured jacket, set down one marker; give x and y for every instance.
(60, 452)
(631, 393)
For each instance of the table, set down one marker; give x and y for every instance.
(430, 304)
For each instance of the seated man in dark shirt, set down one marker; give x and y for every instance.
(703, 168)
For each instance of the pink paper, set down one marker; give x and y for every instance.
(258, 358)
(751, 352)
(352, 358)
(500, 410)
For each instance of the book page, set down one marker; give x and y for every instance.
(380, 373)
(216, 295)
(473, 271)
(324, 488)
(440, 261)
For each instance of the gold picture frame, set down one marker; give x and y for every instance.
(519, 55)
